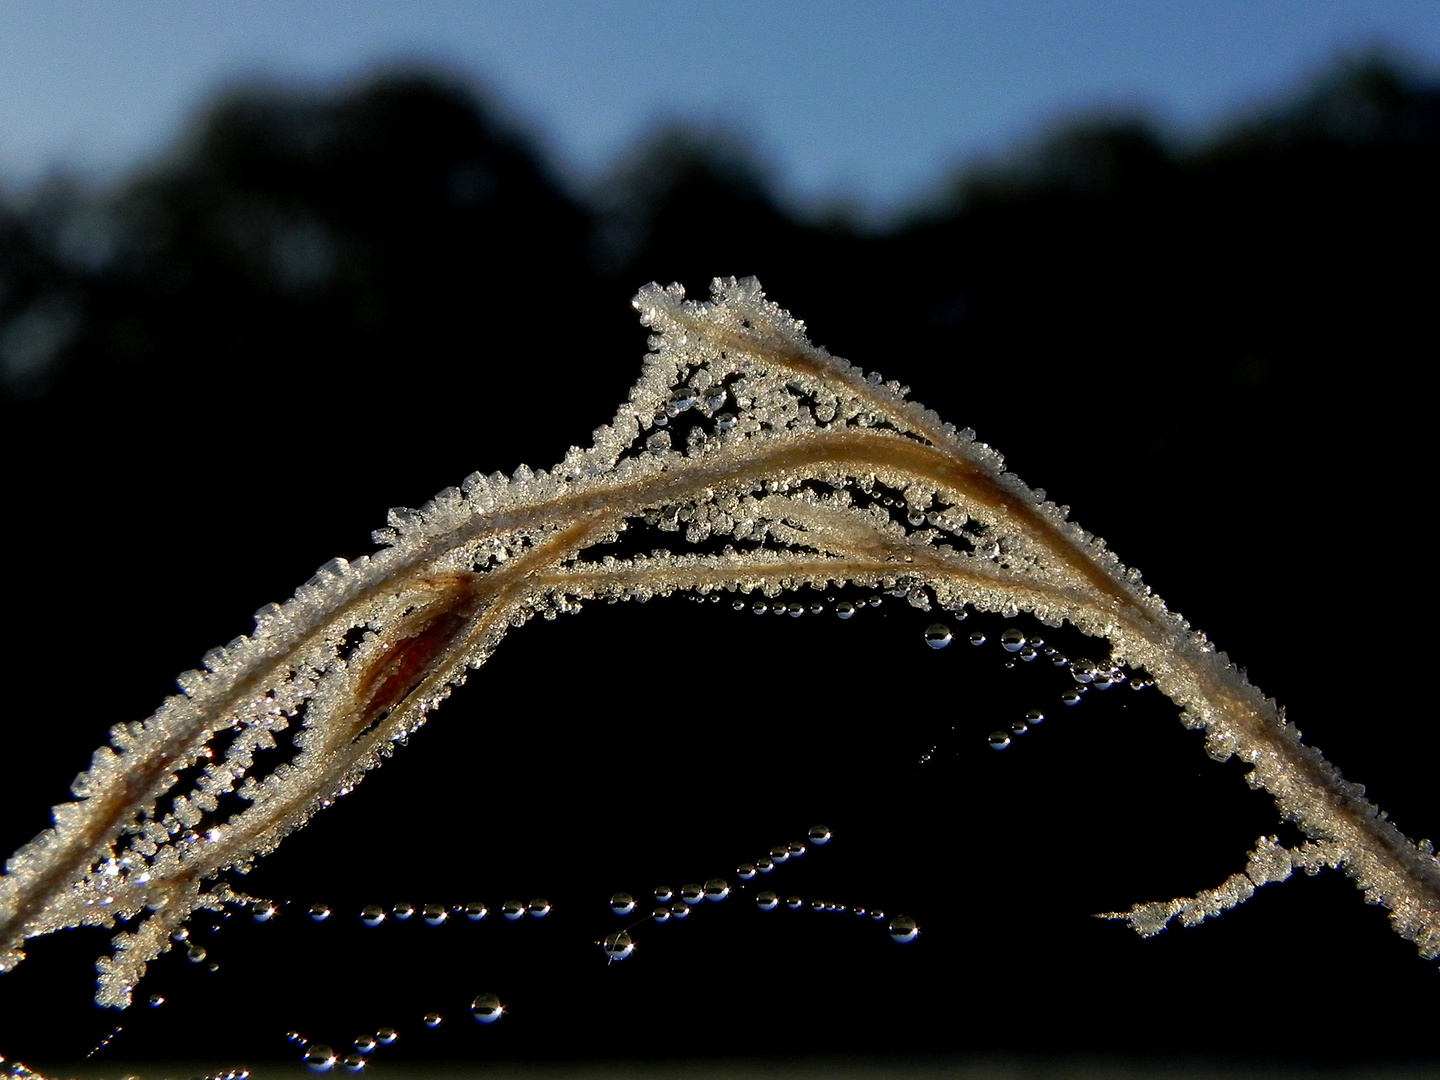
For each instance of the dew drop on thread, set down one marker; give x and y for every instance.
(937, 635)
(318, 1057)
(904, 929)
(487, 1008)
(618, 946)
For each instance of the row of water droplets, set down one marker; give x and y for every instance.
(677, 905)
(1023, 648)
(321, 1057)
(486, 1008)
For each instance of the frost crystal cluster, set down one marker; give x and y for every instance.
(769, 464)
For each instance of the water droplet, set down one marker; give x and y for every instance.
(779, 854)
(156, 1000)
(1019, 727)
(1103, 679)
(1082, 671)
(619, 945)
(318, 1057)
(977, 638)
(876, 601)
(1012, 640)
(372, 914)
(664, 893)
(794, 903)
(432, 1020)
(759, 607)
(262, 911)
(715, 397)
(844, 609)
(512, 910)
(937, 635)
(764, 864)
(904, 929)
(386, 1035)
(796, 849)
(724, 422)
(795, 610)
(195, 954)
(717, 889)
(819, 834)
(817, 609)
(679, 909)
(860, 911)
(1034, 716)
(1027, 654)
(877, 915)
(767, 900)
(661, 914)
(1071, 697)
(487, 1008)
(434, 914)
(402, 911)
(693, 893)
(320, 913)
(999, 740)
(365, 1044)
(745, 871)
(539, 908)
(622, 903)
(817, 905)
(475, 911)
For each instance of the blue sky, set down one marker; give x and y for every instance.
(860, 102)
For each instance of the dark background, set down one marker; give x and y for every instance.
(322, 304)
